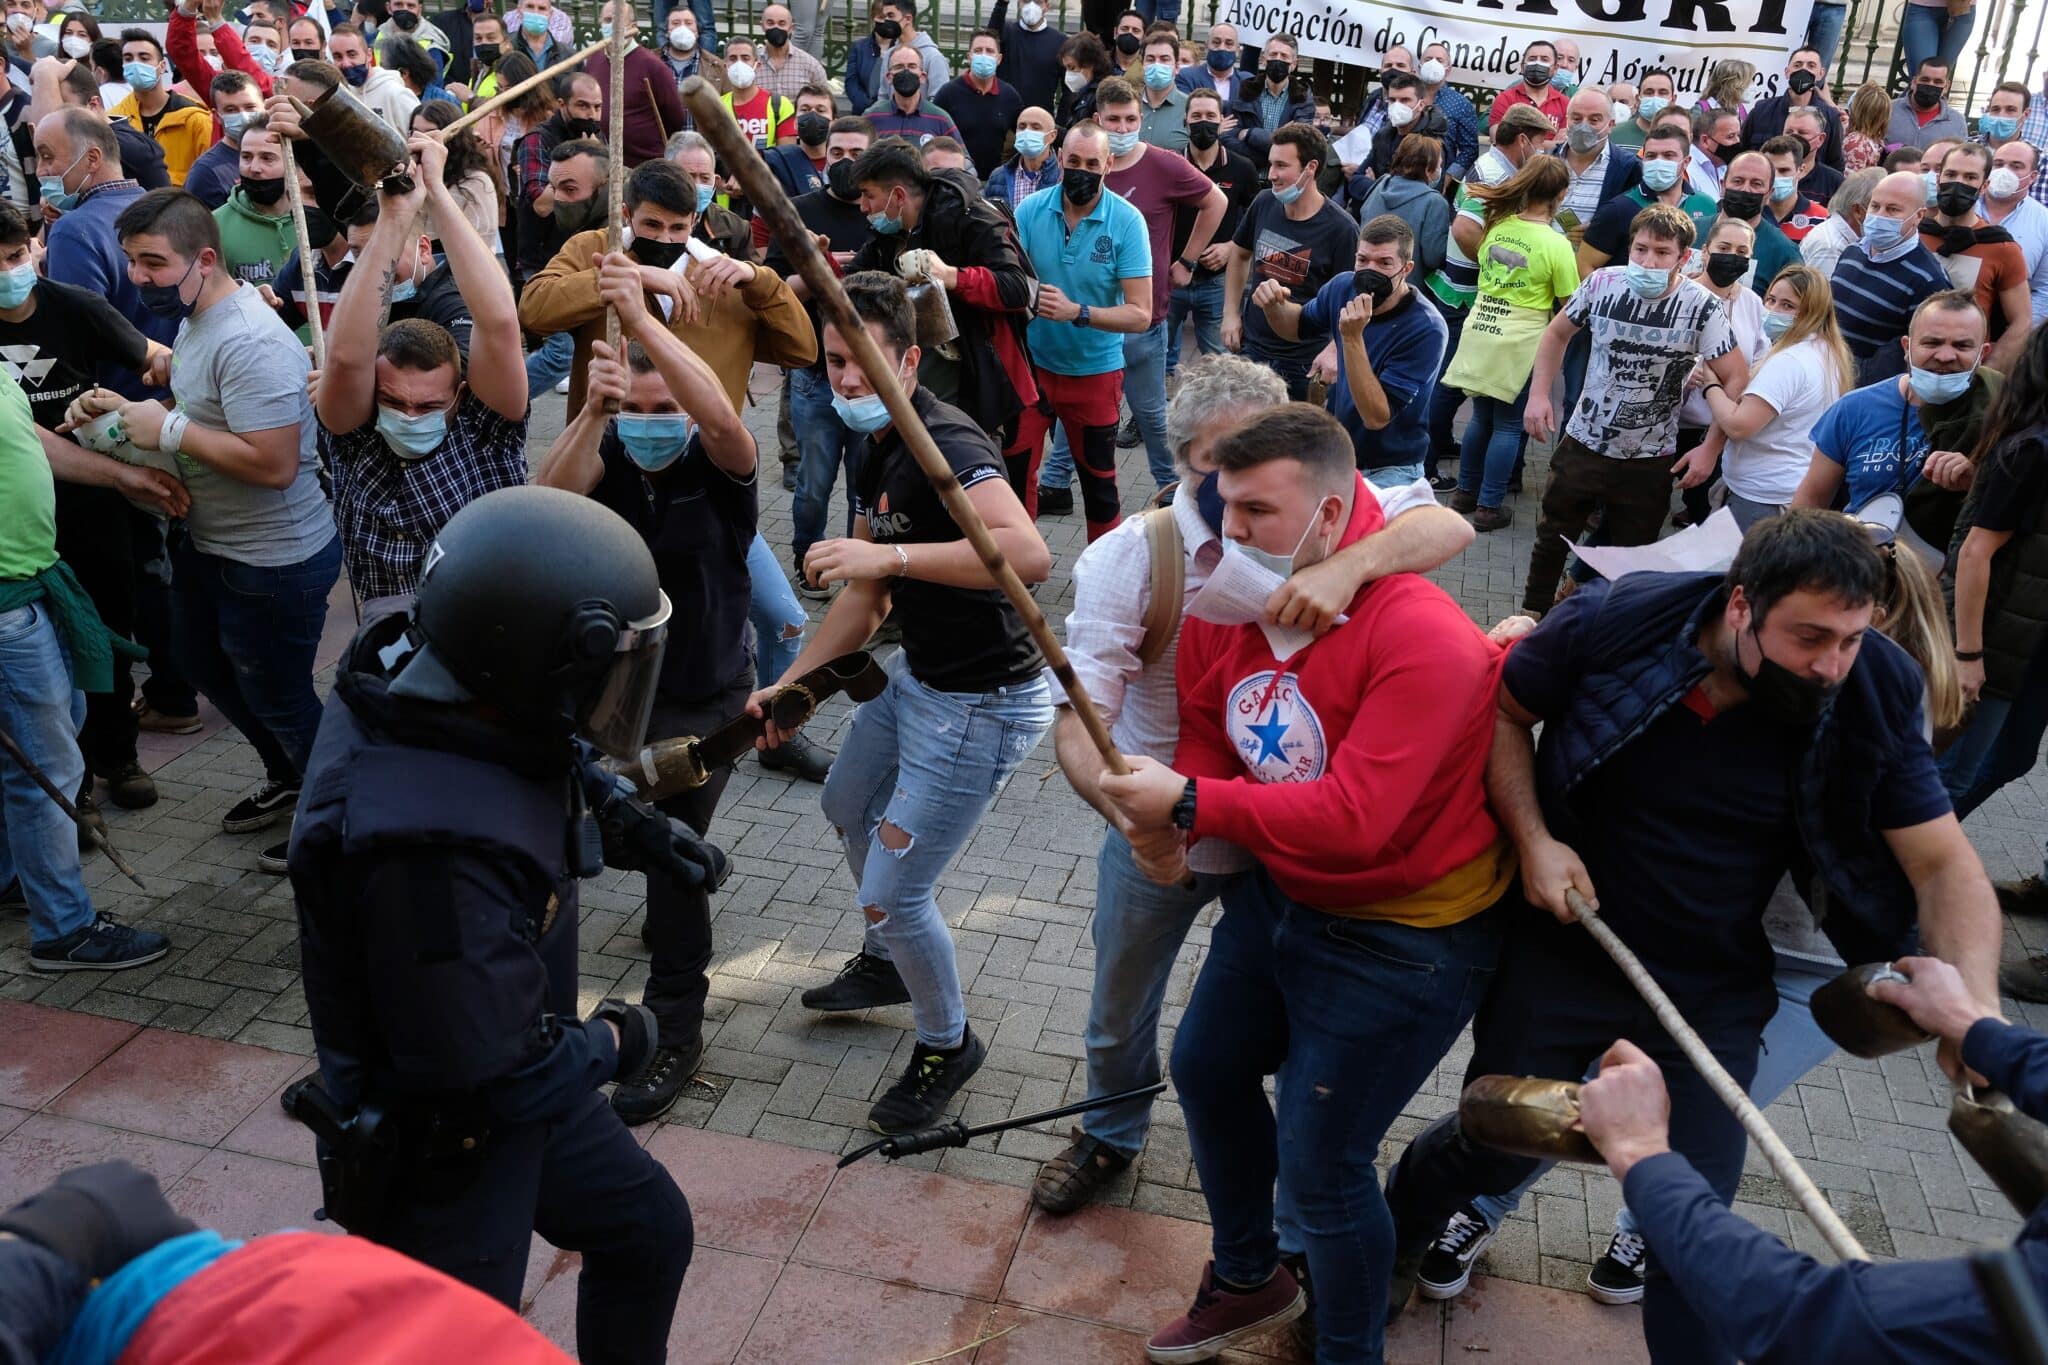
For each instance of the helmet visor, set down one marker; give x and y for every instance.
(617, 722)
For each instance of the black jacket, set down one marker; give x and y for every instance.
(1251, 136)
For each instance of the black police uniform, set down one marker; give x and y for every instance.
(433, 861)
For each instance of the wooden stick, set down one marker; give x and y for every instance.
(623, 16)
(93, 832)
(309, 269)
(1836, 1233)
(758, 183)
(505, 97)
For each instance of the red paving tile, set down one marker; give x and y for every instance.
(48, 1049)
(178, 1086)
(1109, 1265)
(45, 1146)
(745, 1195)
(823, 1317)
(720, 1300)
(247, 1196)
(1041, 1339)
(270, 1132)
(918, 1228)
(1531, 1325)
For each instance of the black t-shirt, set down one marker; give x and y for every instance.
(984, 121)
(1304, 256)
(954, 639)
(73, 340)
(843, 224)
(698, 521)
(2012, 484)
(150, 121)
(1234, 174)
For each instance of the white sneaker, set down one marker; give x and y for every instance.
(562, 387)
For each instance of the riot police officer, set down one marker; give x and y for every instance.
(452, 802)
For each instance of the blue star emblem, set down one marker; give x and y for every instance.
(1270, 732)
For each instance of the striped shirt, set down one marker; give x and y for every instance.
(1874, 303)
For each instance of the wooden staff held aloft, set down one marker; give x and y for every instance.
(758, 183)
(623, 17)
(309, 270)
(505, 97)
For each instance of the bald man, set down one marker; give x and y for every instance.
(1600, 170)
(1881, 280)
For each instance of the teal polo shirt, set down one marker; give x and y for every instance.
(1089, 265)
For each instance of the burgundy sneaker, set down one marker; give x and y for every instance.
(1222, 1317)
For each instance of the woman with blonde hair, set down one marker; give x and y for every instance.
(1768, 431)
(1864, 123)
(1728, 87)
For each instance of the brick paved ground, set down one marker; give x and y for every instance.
(1019, 900)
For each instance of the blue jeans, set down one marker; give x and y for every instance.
(2000, 744)
(1824, 30)
(247, 636)
(1145, 391)
(707, 22)
(1493, 442)
(925, 764)
(826, 444)
(1394, 475)
(778, 618)
(1445, 402)
(1929, 30)
(1203, 300)
(1350, 1016)
(42, 711)
(1168, 10)
(549, 363)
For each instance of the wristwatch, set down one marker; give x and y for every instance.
(1187, 265)
(1969, 656)
(1081, 318)
(1184, 809)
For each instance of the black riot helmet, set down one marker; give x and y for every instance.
(546, 606)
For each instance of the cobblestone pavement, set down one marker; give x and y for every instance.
(1019, 900)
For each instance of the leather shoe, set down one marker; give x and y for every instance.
(799, 756)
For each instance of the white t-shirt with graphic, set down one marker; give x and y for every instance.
(1642, 352)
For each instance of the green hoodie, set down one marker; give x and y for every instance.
(254, 245)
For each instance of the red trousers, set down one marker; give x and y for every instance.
(1086, 405)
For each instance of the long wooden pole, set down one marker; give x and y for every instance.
(309, 269)
(505, 97)
(766, 195)
(1832, 1229)
(623, 18)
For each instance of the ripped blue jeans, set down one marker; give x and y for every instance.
(912, 779)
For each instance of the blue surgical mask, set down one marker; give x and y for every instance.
(16, 284)
(1930, 387)
(1881, 235)
(1292, 192)
(604, 31)
(882, 223)
(867, 414)
(412, 438)
(1158, 75)
(983, 65)
(1647, 281)
(1565, 79)
(1998, 126)
(705, 194)
(1783, 187)
(654, 440)
(1030, 142)
(264, 57)
(53, 191)
(1933, 184)
(1122, 144)
(1649, 106)
(1221, 60)
(1659, 176)
(404, 291)
(532, 24)
(233, 124)
(1777, 324)
(141, 75)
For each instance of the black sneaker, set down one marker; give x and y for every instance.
(261, 808)
(1055, 502)
(105, 945)
(1128, 436)
(1443, 483)
(130, 787)
(789, 478)
(799, 756)
(651, 1091)
(273, 859)
(1447, 1265)
(1617, 1277)
(2027, 896)
(927, 1086)
(863, 983)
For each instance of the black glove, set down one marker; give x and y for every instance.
(638, 838)
(98, 1217)
(638, 1033)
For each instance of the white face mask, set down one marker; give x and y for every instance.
(739, 75)
(682, 38)
(1032, 14)
(1400, 115)
(1622, 113)
(2004, 182)
(1237, 589)
(1077, 81)
(1432, 72)
(77, 47)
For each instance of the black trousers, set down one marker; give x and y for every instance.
(1556, 1005)
(679, 916)
(94, 538)
(586, 1185)
(1633, 496)
(150, 544)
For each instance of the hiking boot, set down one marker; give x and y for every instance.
(863, 983)
(1055, 502)
(2026, 979)
(1447, 1266)
(1223, 1316)
(1486, 519)
(651, 1091)
(2027, 896)
(157, 722)
(130, 787)
(276, 859)
(105, 945)
(1128, 435)
(799, 756)
(1617, 1277)
(1077, 1175)
(927, 1086)
(1461, 501)
(261, 808)
(89, 816)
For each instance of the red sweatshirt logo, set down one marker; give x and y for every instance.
(1276, 733)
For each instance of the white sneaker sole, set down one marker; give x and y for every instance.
(1451, 1290)
(43, 965)
(1216, 1346)
(1613, 1298)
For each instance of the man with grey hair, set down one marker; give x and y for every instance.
(1122, 647)
(717, 225)
(1843, 227)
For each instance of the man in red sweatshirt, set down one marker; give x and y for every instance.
(1352, 768)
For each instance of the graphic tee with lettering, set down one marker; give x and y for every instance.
(73, 341)
(1642, 352)
(1304, 256)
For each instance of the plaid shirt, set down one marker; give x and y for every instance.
(798, 69)
(1461, 140)
(2035, 130)
(389, 510)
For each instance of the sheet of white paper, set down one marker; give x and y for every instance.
(1236, 595)
(1354, 148)
(1697, 549)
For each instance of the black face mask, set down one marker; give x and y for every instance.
(811, 129)
(839, 179)
(1801, 81)
(405, 20)
(581, 127)
(888, 30)
(1081, 187)
(1128, 43)
(1535, 74)
(777, 37)
(263, 190)
(305, 54)
(1372, 284)
(906, 83)
(574, 218)
(486, 53)
(1783, 694)
(1277, 72)
(1955, 199)
(660, 255)
(1926, 96)
(1205, 133)
(1209, 501)
(1726, 267)
(1743, 204)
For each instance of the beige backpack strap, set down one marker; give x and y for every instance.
(1169, 581)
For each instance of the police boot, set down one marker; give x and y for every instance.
(651, 1091)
